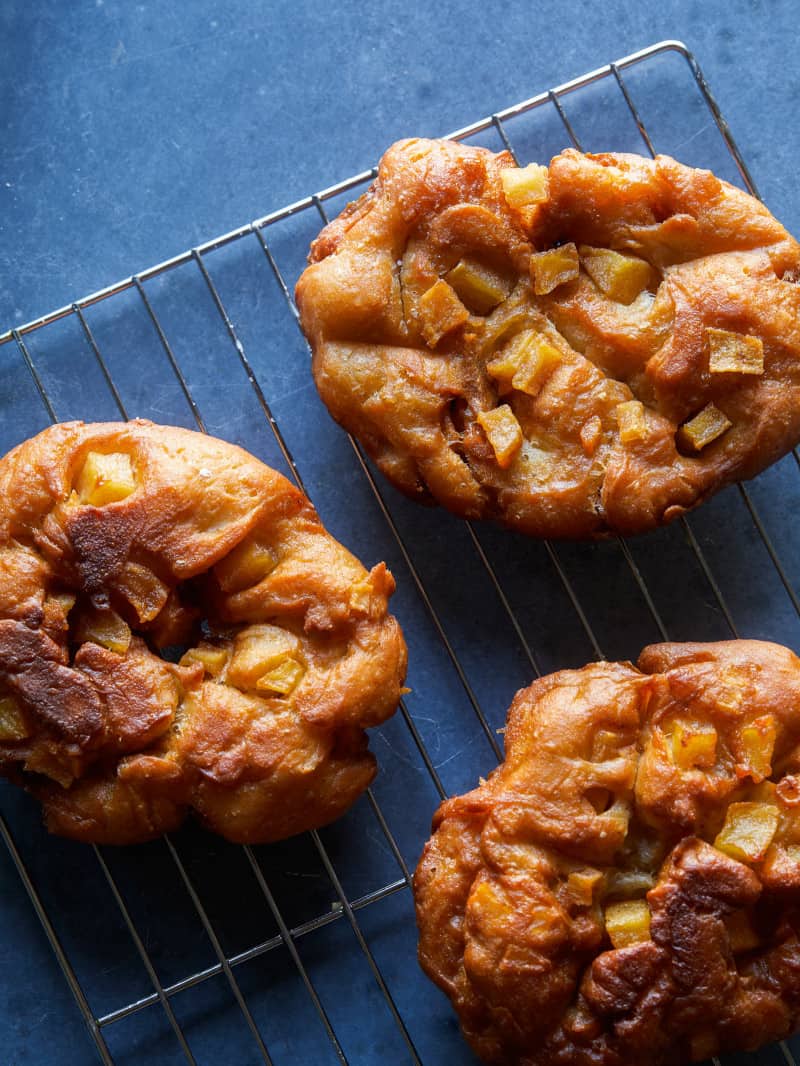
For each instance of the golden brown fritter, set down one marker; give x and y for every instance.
(118, 540)
(591, 348)
(625, 887)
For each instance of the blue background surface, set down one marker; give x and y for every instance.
(133, 131)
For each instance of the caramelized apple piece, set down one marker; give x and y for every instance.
(620, 277)
(257, 650)
(477, 286)
(506, 363)
(105, 479)
(145, 592)
(538, 362)
(581, 885)
(732, 690)
(12, 723)
(694, 745)
(748, 831)
(554, 267)
(632, 421)
(441, 312)
(628, 923)
(524, 363)
(525, 186)
(500, 327)
(503, 432)
(283, 678)
(103, 627)
(703, 429)
(734, 353)
(781, 866)
(212, 658)
(245, 566)
(758, 740)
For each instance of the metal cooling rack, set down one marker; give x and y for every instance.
(189, 949)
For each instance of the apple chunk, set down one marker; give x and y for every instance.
(503, 432)
(748, 831)
(105, 479)
(628, 923)
(620, 277)
(525, 186)
(703, 429)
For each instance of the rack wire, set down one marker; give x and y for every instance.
(305, 951)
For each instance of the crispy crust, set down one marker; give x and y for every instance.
(120, 745)
(591, 794)
(718, 260)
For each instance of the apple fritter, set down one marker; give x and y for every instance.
(120, 541)
(625, 887)
(588, 348)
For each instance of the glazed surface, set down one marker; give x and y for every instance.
(120, 540)
(609, 387)
(624, 888)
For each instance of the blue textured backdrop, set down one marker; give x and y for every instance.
(132, 131)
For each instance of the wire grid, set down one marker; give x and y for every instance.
(411, 1023)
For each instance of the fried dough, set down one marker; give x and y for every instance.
(118, 540)
(625, 887)
(589, 348)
